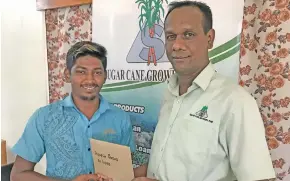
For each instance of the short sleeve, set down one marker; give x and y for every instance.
(128, 136)
(246, 143)
(30, 146)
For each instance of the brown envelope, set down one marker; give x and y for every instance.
(112, 160)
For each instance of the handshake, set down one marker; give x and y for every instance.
(92, 177)
(101, 177)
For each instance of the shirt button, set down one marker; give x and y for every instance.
(88, 126)
(161, 149)
(89, 149)
(90, 172)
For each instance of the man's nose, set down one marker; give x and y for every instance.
(90, 77)
(179, 44)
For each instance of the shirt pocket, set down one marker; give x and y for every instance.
(111, 138)
(200, 139)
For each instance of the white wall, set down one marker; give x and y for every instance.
(23, 68)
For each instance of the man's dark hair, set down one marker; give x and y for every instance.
(204, 8)
(84, 48)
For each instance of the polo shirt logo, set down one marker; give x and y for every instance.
(202, 114)
(109, 131)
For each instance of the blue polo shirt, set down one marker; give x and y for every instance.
(62, 132)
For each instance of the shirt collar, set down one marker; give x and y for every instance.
(202, 80)
(104, 105)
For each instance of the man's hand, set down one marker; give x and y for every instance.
(87, 177)
(143, 179)
(103, 177)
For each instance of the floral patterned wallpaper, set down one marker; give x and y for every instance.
(264, 64)
(265, 73)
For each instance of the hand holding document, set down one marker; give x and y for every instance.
(112, 160)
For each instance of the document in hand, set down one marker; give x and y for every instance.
(112, 160)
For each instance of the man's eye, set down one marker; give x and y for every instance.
(170, 37)
(98, 73)
(80, 71)
(188, 34)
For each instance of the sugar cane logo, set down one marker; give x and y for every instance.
(148, 46)
(202, 114)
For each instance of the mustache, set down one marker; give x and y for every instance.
(90, 85)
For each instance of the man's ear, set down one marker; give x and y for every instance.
(105, 76)
(67, 75)
(210, 38)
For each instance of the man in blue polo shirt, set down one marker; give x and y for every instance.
(63, 129)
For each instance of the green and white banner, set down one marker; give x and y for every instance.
(132, 31)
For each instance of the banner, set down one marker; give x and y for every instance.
(132, 31)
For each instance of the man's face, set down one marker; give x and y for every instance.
(87, 77)
(185, 40)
